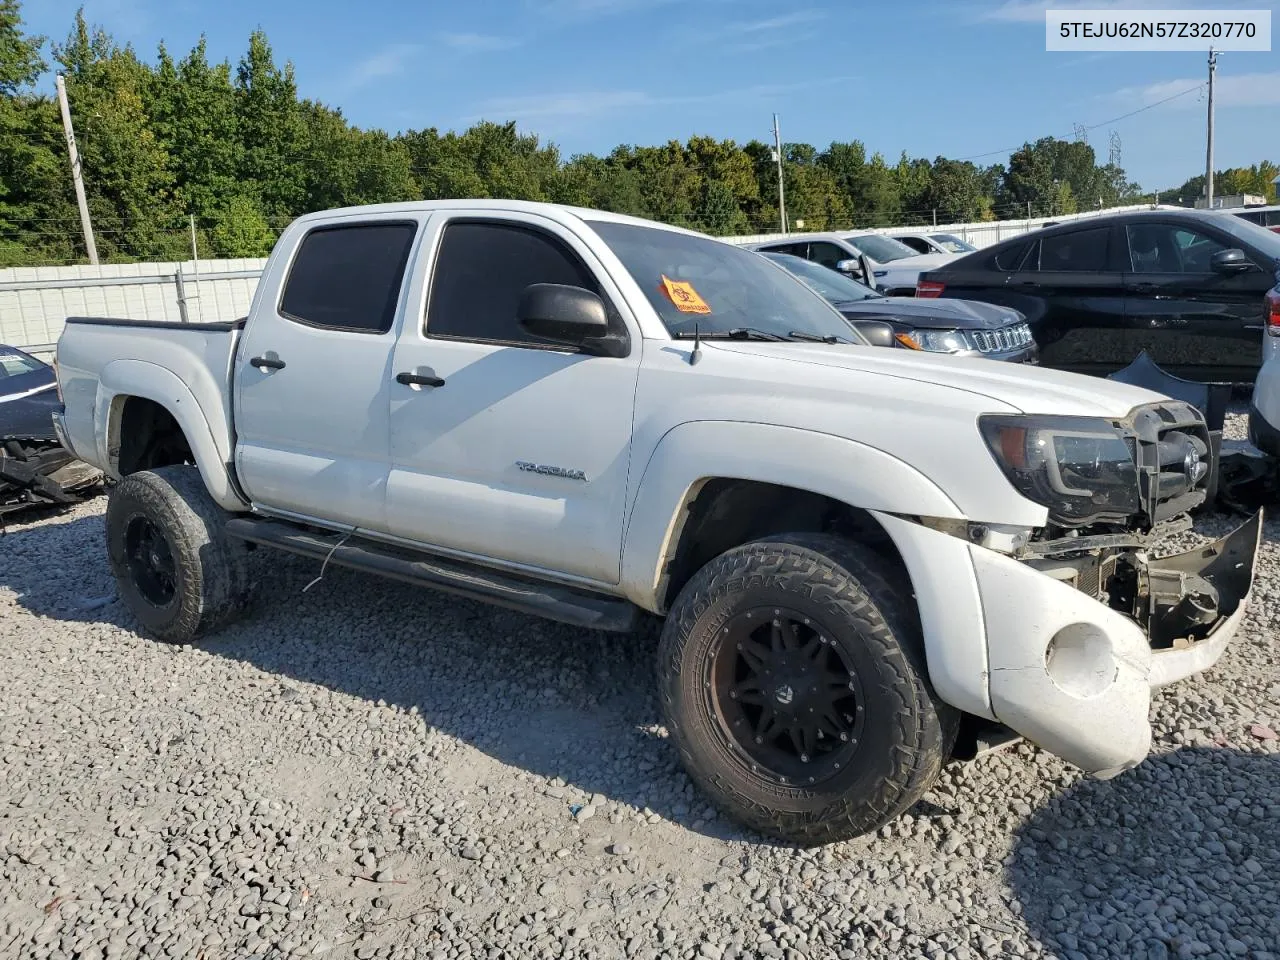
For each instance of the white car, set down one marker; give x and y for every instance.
(894, 267)
(603, 420)
(1264, 406)
(923, 242)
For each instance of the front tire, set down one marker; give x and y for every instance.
(180, 574)
(792, 675)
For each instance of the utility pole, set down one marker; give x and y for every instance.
(1208, 162)
(90, 246)
(777, 153)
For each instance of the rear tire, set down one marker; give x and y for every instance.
(826, 727)
(178, 571)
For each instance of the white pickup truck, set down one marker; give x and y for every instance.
(858, 553)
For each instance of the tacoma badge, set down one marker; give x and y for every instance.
(551, 471)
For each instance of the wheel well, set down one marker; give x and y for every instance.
(726, 513)
(148, 436)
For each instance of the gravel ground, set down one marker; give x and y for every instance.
(372, 770)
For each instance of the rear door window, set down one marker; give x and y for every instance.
(792, 249)
(1082, 251)
(348, 278)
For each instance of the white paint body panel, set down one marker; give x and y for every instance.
(1266, 388)
(332, 438)
(454, 477)
(187, 371)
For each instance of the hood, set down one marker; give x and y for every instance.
(933, 313)
(1029, 389)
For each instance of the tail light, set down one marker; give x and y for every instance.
(929, 288)
(1273, 312)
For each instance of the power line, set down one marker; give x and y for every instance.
(1095, 126)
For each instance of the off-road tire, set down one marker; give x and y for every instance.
(211, 584)
(865, 605)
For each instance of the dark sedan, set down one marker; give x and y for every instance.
(935, 326)
(1186, 286)
(34, 467)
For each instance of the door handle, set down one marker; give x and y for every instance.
(271, 363)
(419, 380)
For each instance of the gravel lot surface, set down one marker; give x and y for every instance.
(372, 770)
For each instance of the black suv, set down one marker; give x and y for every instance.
(1187, 286)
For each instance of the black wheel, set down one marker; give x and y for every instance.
(178, 572)
(793, 679)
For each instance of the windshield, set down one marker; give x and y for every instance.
(720, 287)
(836, 287)
(952, 244)
(882, 249)
(1254, 235)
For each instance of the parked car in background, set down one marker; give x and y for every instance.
(1268, 217)
(34, 467)
(1186, 286)
(959, 327)
(934, 242)
(879, 262)
(1264, 406)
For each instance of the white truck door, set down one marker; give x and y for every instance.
(313, 374)
(520, 450)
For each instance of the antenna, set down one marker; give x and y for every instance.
(697, 345)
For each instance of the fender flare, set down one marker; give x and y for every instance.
(122, 379)
(696, 451)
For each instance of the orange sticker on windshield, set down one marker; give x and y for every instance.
(684, 296)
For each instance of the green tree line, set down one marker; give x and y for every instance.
(236, 148)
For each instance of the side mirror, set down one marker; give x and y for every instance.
(859, 269)
(1230, 261)
(568, 315)
(877, 332)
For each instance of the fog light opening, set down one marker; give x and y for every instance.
(1080, 661)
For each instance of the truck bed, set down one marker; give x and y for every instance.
(179, 362)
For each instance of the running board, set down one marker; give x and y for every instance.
(526, 595)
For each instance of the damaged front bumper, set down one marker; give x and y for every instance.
(1074, 675)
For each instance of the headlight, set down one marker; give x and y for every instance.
(935, 341)
(1081, 468)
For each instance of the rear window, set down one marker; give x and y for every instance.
(348, 278)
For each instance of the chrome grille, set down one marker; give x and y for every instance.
(1003, 340)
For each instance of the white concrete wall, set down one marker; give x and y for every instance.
(35, 301)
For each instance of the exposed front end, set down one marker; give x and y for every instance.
(1076, 643)
(1080, 622)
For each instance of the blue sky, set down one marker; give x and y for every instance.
(961, 78)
